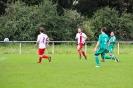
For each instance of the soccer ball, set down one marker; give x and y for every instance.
(6, 40)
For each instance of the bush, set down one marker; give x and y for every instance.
(109, 17)
(21, 22)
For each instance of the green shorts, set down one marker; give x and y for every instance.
(101, 51)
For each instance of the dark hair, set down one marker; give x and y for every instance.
(103, 29)
(112, 31)
(41, 29)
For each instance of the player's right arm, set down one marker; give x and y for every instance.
(108, 44)
(98, 43)
(76, 36)
(113, 40)
(37, 42)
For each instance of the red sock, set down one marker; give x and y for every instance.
(40, 60)
(79, 52)
(83, 54)
(44, 56)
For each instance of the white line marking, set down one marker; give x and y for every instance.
(2, 58)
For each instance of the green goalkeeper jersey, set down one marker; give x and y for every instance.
(103, 40)
(112, 41)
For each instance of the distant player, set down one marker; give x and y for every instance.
(101, 46)
(42, 41)
(111, 44)
(81, 37)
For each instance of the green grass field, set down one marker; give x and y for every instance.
(65, 71)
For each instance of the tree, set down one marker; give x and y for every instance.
(3, 5)
(107, 17)
(21, 22)
(87, 28)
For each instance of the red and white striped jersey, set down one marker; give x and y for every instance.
(81, 37)
(42, 39)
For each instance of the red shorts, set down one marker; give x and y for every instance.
(41, 51)
(81, 45)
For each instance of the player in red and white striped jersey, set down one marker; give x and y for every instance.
(81, 37)
(42, 41)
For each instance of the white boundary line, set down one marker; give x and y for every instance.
(2, 58)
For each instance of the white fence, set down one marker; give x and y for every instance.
(53, 44)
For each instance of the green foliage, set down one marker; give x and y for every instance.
(87, 28)
(125, 27)
(75, 20)
(107, 17)
(17, 24)
(32, 2)
(21, 22)
(87, 7)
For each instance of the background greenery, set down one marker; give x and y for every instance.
(21, 19)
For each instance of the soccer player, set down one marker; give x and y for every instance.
(111, 44)
(42, 41)
(81, 37)
(101, 46)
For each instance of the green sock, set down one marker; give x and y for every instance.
(108, 57)
(97, 61)
(113, 57)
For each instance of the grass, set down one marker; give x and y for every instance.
(65, 71)
(64, 48)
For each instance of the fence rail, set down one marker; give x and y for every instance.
(53, 44)
(69, 41)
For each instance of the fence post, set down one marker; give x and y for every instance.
(52, 47)
(118, 48)
(20, 48)
(85, 48)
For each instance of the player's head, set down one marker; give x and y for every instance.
(79, 30)
(41, 30)
(112, 33)
(103, 29)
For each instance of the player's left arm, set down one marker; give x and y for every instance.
(48, 40)
(85, 38)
